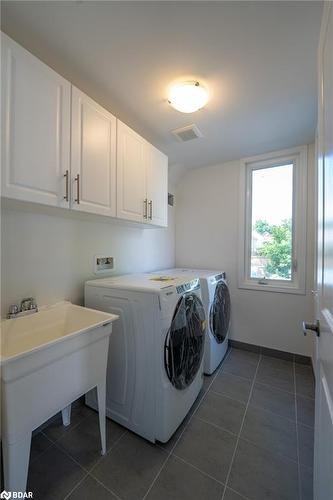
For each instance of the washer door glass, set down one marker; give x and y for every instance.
(184, 343)
(219, 317)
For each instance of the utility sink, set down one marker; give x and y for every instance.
(48, 360)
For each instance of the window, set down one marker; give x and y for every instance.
(273, 218)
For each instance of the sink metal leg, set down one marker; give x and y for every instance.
(16, 463)
(66, 415)
(101, 395)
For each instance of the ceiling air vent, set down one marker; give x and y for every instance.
(188, 133)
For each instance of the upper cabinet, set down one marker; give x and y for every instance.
(61, 148)
(142, 179)
(35, 104)
(157, 186)
(93, 155)
(131, 178)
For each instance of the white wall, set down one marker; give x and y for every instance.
(48, 254)
(207, 236)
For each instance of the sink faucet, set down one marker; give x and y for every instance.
(27, 306)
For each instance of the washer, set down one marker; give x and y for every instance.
(155, 364)
(216, 301)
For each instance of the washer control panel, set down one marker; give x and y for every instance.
(189, 286)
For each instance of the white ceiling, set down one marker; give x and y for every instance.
(258, 60)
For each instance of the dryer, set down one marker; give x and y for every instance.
(216, 301)
(155, 363)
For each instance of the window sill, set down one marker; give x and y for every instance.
(293, 289)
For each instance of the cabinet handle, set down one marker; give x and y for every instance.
(66, 175)
(145, 209)
(77, 179)
(150, 209)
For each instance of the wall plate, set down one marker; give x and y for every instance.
(103, 264)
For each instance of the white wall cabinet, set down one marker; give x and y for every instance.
(157, 186)
(93, 157)
(61, 148)
(142, 179)
(131, 178)
(36, 128)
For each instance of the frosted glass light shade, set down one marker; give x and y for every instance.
(188, 97)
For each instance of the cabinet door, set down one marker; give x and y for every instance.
(93, 165)
(131, 174)
(157, 187)
(36, 128)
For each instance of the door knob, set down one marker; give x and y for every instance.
(314, 327)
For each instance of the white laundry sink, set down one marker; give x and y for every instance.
(48, 360)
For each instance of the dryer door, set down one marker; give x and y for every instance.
(219, 316)
(184, 344)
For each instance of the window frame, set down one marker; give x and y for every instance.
(297, 157)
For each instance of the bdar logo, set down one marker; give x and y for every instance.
(16, 494)
(6, 495)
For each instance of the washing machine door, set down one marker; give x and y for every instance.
(184, 344)
(219, 316)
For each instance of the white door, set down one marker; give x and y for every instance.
(93, 165)
(323, 467)
(36, 128)
(131, 174)
(157, 187)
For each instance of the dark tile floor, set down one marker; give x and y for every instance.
(248, 436)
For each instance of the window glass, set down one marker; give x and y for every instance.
(272, 223)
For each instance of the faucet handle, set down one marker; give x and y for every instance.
(33, 304)
(13, 309)
(28, 303)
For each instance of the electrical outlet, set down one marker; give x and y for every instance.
(103, 264)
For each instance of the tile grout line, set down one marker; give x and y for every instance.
(31, 461)
(237, 376)
(73, 426)
(57, 445)
(239, 494)
(88, 471)
(291, 420)
(241, 428)
(179, 437)
(281, 390)
(76, 486)
(262, 407)
(216, 426)
(269, 385)
(198, 469)
(280, 455)
(53, 442)
(297, 439)
(228, 397)
(52, 445)
(104, 486)
(59, 448)
(108, 451)
(309, 427)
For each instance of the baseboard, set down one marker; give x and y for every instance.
(274, 353)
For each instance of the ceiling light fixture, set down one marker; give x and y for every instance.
(188, 97)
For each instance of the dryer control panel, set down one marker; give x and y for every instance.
(188, 287)
(218, 277)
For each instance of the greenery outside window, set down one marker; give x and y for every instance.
(273, 219)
